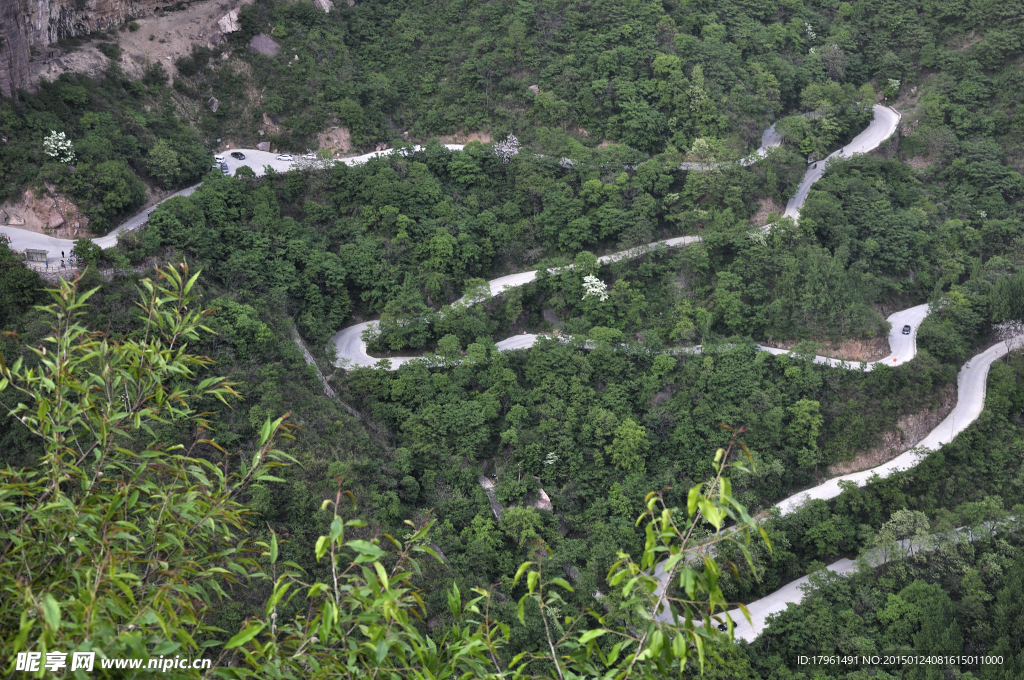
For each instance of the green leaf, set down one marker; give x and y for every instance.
(679, 647)
(657, 642)
(276, 597)
(273, 548)
(455, 600)
(692, 499)
(764, 534)
(688, 581)
(336, 529)
(711, 513)
(268, 428)
(563, 583)
(382, 575)
(321, 547)
(368, 552)
(245, 635)
(519, 572)
(592, 635)
(51, 611)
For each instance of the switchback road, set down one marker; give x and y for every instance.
(351, 349)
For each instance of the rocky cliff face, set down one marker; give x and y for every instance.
(14, 50)
(35, 24)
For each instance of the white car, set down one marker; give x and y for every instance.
(286, 157)
(309, 156)
(219, 159)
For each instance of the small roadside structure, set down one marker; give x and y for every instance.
(35, 255)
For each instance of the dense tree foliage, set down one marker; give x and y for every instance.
(161, 524)
(473, 442)
(958, 597)
(122, 131)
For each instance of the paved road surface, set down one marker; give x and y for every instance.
(971, 383)
(881, 128)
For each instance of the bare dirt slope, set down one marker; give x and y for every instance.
(173, 35)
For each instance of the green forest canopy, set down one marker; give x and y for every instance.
(933, 217)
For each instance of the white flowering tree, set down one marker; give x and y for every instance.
(594, 286)
(506, 149)
(892, 88)
(57, 145)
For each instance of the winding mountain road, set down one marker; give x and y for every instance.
(351, 349)
(22, 239)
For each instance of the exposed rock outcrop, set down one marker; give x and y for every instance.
(337, 139)
(28, 24)
(14, 49)
(262, 43)
(229, 22)
(50, 213)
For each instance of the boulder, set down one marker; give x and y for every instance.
(263, 146)
(534, 89)
(214, 104)
(56, 219)
(229, 22)
(262, 43)
(325, 5)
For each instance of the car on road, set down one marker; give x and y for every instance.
(219, 159)
(310, 156)
(238, 155)
(286, 157)
(906, 330)
(224, 168)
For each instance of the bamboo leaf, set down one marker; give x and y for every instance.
(243, 636)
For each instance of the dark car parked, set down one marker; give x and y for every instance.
(224, 168)
(238, 155)
(906, 330)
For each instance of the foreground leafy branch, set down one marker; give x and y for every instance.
(117, 542)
